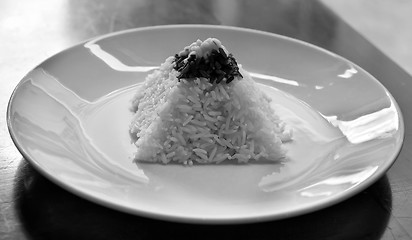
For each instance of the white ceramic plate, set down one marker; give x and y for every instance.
(69, 117)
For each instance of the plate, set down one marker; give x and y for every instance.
(69, 117)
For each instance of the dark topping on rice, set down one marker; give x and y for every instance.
(216, 65)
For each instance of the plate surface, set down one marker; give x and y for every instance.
(69, 117)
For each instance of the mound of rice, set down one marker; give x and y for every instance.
(198, 120)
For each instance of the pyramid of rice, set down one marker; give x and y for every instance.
(200, 106)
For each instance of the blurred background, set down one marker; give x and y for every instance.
(387, 24)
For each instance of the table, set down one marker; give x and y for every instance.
(32, 207)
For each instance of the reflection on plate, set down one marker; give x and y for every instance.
(69, 117)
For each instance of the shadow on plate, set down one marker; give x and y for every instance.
(49, 212)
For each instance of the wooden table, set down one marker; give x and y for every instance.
(32, 207)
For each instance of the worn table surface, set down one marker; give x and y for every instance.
(32, 207)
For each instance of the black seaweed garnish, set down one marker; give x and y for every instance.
(217, 67)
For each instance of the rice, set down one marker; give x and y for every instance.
(195, 121)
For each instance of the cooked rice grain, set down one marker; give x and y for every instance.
(198, 122)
